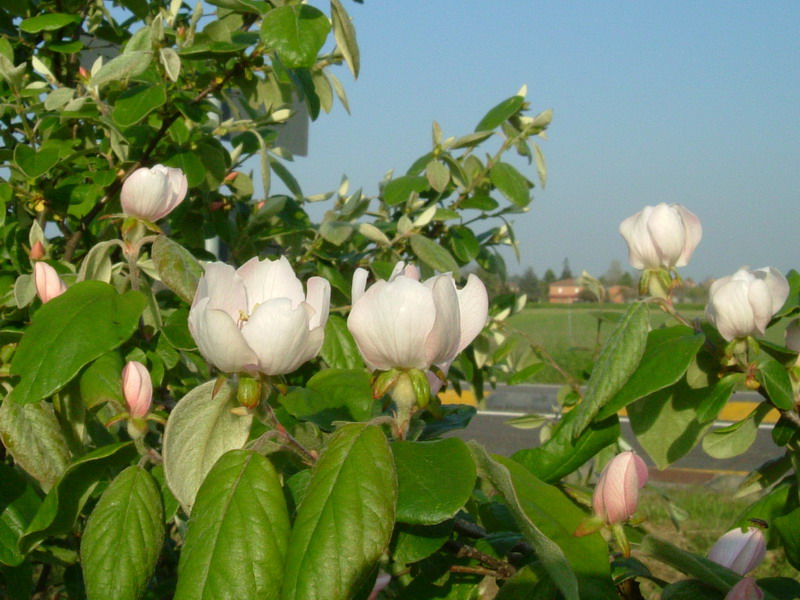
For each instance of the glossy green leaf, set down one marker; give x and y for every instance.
(500, 113)
(713, 403)
(735, 439)
(35, 163)
(339, 349)
(64, 502)
(780, 588)
(433, 255)
(48, 22)
(775, 379)
(399, 190)
(123, 66)
(72, 47)
(615, 365)
(92, 317)
(463, 243)
(524, 508)
(414, 542)
(32, 435)
(123, 537)
(345, 35)
(177, 268)
(168, 500)
(435, 479)
(238, 534)
(480, 202)
(190, 164)
(18, 505)
(102, 381)
(511, 183)
(345, 520)
(667, 354)
(249, 6)
(135, 103)
(297, 32)
(665, 423)
(563, 453)
(332, 395)
(176, 330)
(200, 429)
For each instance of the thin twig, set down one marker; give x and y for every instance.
(499, 568)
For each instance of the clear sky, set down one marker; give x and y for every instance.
(689, 102)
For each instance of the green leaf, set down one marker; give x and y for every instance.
(200, 429)
(690, 589)
(102, 381)
(96, 264)
(190, 164)
(470, 140)
(335, 232)
(297, 32)
(64, 502)
(667, 354)
(562, 453)
(617, 361)
(251, 6)
(345, 520)
(710, 406)
(345, 35)
(511, 183)
(123, 537)
(339, 350)
(665, 423)
(464, 243)
(71, 330)
(72, 47)
(48, 22)
(781, 588)
(433, 255)
(775, 379)
(176, 330)
(480, 202)
(735, 439)
(18, 505)
(717, 576)
(332, 395)
(32, 435)
(415, 542)
(238, 534)
(547, 518)
(171, 63)
(438, 175)
(33, 163)
(435, 479)
(123, 66)
(500, 113)
(135, 103)
(58, 98)
(177, 268)
(399, 190)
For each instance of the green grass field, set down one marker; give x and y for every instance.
(573, 334)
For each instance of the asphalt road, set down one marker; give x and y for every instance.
(488, 427)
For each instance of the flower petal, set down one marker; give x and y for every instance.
(667, 234)
(777, 285)
(219, 339)
(224, 289)
(473, 303)
(279, 335)
(442, 342)
(391, 322)
(268, 279)
(694, 233)
(359, 284)
(319, 298)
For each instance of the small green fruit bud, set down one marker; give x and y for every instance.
(248, 392)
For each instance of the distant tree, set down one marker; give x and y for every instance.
(566, 272)
(625, 279)
(614, 273)
(549, 277)
(529, 284)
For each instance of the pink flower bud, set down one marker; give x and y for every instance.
(746, 589)
(48, 283)
(137, 388)
(616, 495)
(37, 251)
(740, 551)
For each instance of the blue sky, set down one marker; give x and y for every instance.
(695, 103)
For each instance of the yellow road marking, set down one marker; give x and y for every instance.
(733, 411)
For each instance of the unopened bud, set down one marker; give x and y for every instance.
(37, 251)
(137, 389)
(746, 589)
(422, 389)
(47, 282)
(616, 495)
(740, 551)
